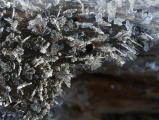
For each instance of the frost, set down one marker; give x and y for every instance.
(20, 69)
(55, 22)
(82, 6)
(1, 30)
(146, 46)
(49, 73)
(23, 85)
(148, 37)
(55, 48)
(119, 21)
(40, 90)
(73, 59)
(28, 71)
(147, 19)
(26, 39)
(100, 20)
(101, 3)
(101, 38)
(132, 5)
(129, 48)
(62, 21)
(14, 24)
(43, 49)
(128, 26)
(111, 11)
(84, 25)
(39, 25)
(55, 2)
(34, 92)
(65, 74)
(38, 61)
(69, 12)
(8, 4)
(17, 53)
(44, 44)
(27, 116)
(98, 30)
(94, 63)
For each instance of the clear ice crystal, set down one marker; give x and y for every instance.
(111, 11)
(100, 21)
(119, 21)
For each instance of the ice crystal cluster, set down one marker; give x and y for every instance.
(44, 43)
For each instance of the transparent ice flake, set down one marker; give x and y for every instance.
(119, 21)
(111, 11)
(98, 30)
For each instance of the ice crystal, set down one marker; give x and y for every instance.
(45, 42)
(111, 11)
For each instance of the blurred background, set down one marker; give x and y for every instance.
(116, 93)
